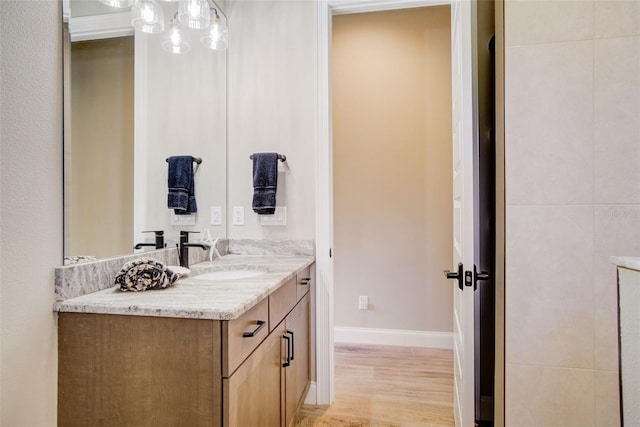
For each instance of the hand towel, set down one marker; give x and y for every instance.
(143, 274)
(265, 182)
(180, 181)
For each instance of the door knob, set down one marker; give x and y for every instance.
(457, 275)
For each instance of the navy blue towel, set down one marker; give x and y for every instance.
(181, 187)
(265, 181)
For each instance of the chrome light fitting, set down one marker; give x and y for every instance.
(147, 16)
(194, 14)
(175, 41)
(217, 36)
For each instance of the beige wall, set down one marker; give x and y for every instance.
(272, 106)
(31, 208)
(99, 215)
(572, 200)
(392, 168)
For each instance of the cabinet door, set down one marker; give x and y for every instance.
(251, 396)
(297, 373)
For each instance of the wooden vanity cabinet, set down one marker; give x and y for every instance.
(296, 375)
(138, 371)
(251, 395)
(120, 370)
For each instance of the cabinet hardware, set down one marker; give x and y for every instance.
(293, 345)
(288, 362)
(305, 281)
(253, 333)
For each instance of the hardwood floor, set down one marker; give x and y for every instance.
(387, 386)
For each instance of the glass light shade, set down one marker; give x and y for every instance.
(194, 14)
(217, 36)
(147, 16)
(175, 41)
(117, 3)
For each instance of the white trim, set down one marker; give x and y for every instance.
(324, 183)
(397, 337)
(312, 395)
(94, 27)
(342, 7)
(324, 215)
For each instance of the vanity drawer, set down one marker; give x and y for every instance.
(303, 283)
(281, 302)
(242, 335)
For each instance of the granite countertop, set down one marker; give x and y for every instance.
(627, 262)
(198, 299)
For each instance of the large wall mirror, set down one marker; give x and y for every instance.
(129, 105)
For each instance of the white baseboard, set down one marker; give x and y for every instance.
(312, 395)
(399, 337)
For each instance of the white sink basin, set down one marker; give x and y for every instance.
(228, 275)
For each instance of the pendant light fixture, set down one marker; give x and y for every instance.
(194, 14)
(217, 36)
(147, 16)
(175, 41)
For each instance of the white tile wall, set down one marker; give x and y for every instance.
(573, 200)
(607, 400)
(617, 18)
(617, 120)
(539, 396)
(550, 305)
(549, 116)
(544, 21)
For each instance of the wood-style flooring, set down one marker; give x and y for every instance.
(387, 386)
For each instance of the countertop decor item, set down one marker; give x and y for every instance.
(144, 274)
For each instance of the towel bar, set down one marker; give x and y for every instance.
(281, 157)
(198, 160)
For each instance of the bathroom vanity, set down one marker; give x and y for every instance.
(207, 352)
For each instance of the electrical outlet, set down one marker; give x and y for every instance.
(363, 303)
(238, 215)
(216, 215)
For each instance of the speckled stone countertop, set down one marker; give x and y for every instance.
(198, 299)
(632, 263)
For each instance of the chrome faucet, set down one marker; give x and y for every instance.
(183, 251)
(159, 243)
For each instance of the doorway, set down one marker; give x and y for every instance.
(464, 31)
(393, 218)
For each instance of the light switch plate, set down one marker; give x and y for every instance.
(279, 217)
(216, 215)
(183, 219)
(238, 215)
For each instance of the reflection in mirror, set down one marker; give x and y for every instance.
(129, 105)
